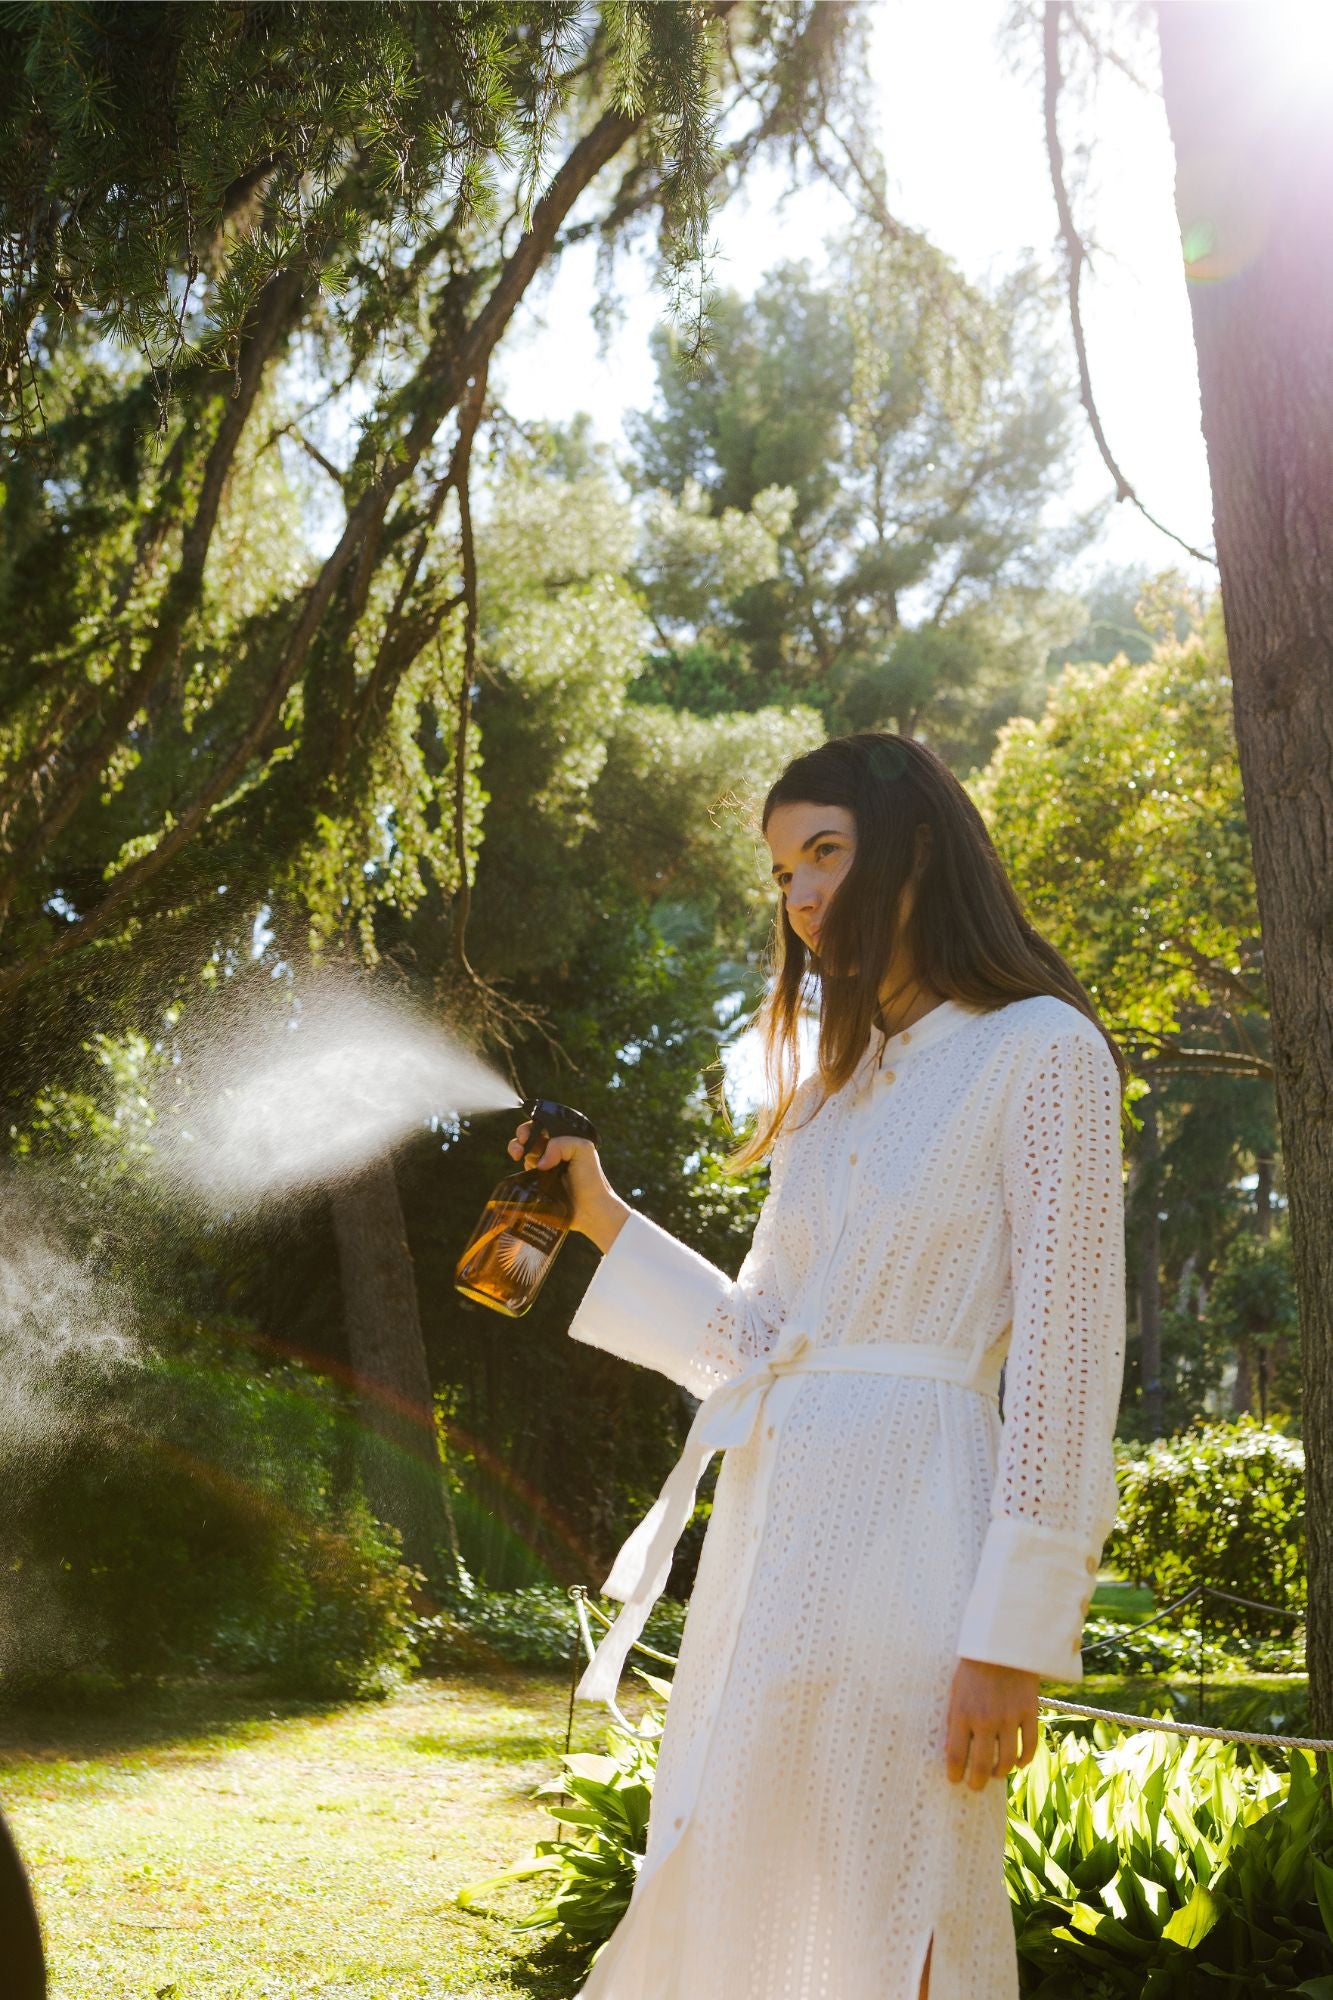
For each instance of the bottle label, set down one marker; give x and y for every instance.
(529, 1230)
(523, 1249)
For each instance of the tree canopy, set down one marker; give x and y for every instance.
(923, 427)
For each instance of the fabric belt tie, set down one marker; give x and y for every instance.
(725, 1418)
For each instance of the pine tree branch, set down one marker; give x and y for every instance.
(277, 303)
(1076, 255)
(449, 365)
(405, 632)
(227, 774)
(68, 718)
(312, 450)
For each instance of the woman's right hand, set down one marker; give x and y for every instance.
(598, 1209)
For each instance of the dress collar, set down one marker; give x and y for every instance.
(942, 1020)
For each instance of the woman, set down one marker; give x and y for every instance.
(888, 1571)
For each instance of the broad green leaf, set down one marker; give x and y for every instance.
(1191, 1924)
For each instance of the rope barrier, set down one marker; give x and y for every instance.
(579, 1593)
(1173, 1728)
(1250, 1603)
(1128, 1631)
(667, 1659)
(1161, 1723)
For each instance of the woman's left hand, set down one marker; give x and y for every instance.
(988, 1707)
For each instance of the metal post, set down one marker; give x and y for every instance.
(575, 1660)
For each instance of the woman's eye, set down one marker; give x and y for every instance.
(824, 847)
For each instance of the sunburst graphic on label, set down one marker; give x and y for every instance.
(517, 1258)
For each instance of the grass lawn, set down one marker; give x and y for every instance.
(210, 1843)
(1114, 1597)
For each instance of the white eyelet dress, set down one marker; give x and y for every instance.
(956, 1205)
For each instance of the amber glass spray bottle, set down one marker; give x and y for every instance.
(526, 1219)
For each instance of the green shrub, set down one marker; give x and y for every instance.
(1222, 1503)
(1110, 1647)
(336, 1619)
(1279, 1710)
(533, 1627)
(189, 1515)
(604, 1802)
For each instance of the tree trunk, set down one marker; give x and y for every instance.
(1254, 192)
(1150, 1273)
(400, 1459)
(1242, 1389)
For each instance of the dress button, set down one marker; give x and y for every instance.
(680, 1819)
(769, 1432)
(888, 1076)
(851, 1159)
(907, 1034)
(1090, 1565)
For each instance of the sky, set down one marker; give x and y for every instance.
(963, 140)
(964, 143)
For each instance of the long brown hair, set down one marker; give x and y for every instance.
(966, 933)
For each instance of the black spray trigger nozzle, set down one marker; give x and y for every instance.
(550, 1119)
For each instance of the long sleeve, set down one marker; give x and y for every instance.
(654, 1300)
(1054, 1499)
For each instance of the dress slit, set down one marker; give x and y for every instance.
(920, 1967)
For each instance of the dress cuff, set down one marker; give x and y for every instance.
(649, 1300)
(1029, 1598)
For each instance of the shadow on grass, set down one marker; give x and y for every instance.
(219, 1711)
(94, 1721)
(554, 1970)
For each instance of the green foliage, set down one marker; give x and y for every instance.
(1221, 1504)
(1119, 816)
(918, 426)
(1142, 1865)
(490, 1548)
(336, 1618)
(242, 685)
(1113, 1647)
(162, 163)
(536, 1626)
(1127, 614)
(593, 1866)
(1273, 1709)
(1156, 1867)
(1252, 1305)
(190, 1513)
(694, 564)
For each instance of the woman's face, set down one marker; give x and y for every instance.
(812, 848)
